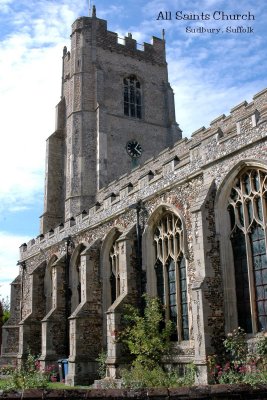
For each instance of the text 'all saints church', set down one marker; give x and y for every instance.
(131, 207)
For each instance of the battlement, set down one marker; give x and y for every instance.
(244, 113)
(246, 125)
(153, 52)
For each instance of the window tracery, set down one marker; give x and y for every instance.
(132, 97)
(247, 206)
(170, 271)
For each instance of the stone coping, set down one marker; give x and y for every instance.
(204, 392)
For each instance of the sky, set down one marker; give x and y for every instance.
(210, 73)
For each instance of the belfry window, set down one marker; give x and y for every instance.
(132, 97)
(170, 271)
(114, 272)
(247, 206)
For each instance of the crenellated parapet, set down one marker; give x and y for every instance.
(94, 34)
(244, 114)
(96, 31)
(245, 126)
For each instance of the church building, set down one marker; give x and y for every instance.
(131, 207)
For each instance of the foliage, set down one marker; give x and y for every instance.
(28, 376)
(240, 365)
(5, 303)
(6, 315)
(261, 347)
(51, 372)
(255, 378)
(146, 336)
(62, 385)
(141, 377)
(7, 370)
(3, 384)
(236, 346)
(230, 373)
(6, 308)
(261, 351)
(102, 364)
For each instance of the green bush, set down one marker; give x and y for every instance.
(102, 364)
(7, 370)
(141, 377)
(28, 376)
(236, 346)
(5, 304)
(240, 366)
(261, 347)
(147, 338)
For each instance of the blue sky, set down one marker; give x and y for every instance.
(210, 74)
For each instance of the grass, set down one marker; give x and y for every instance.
(51, 385)
(2, 383)
(59, 385)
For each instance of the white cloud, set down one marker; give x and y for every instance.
(201, 95)
(31, 45)
(4, 6)
(27, 104)
(30, 76)
(5, 290)
(9, 254)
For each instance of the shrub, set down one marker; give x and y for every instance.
(4, 302)
(236, 346)
(6, 370)
(240, 366)
(146, 336)
(28, 376)
(261, 347)
(141, 377)
(102, 364)
(51, 372)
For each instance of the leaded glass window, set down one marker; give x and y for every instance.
(132, 97)
(159, 274)
(114, 272)
(170, 269)
(79, 282)
(248, 216)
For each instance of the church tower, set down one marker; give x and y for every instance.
(116, 112)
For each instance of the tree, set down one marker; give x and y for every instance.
(5, 308)
(146, 336)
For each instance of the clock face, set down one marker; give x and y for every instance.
(134, 149)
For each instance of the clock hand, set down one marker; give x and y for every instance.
(137, 150)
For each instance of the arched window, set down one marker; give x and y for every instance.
(79, 288)
(132, 97)
(114, 272)
(247, 206)
(50, 284)
(170, 271)
(75, 292)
